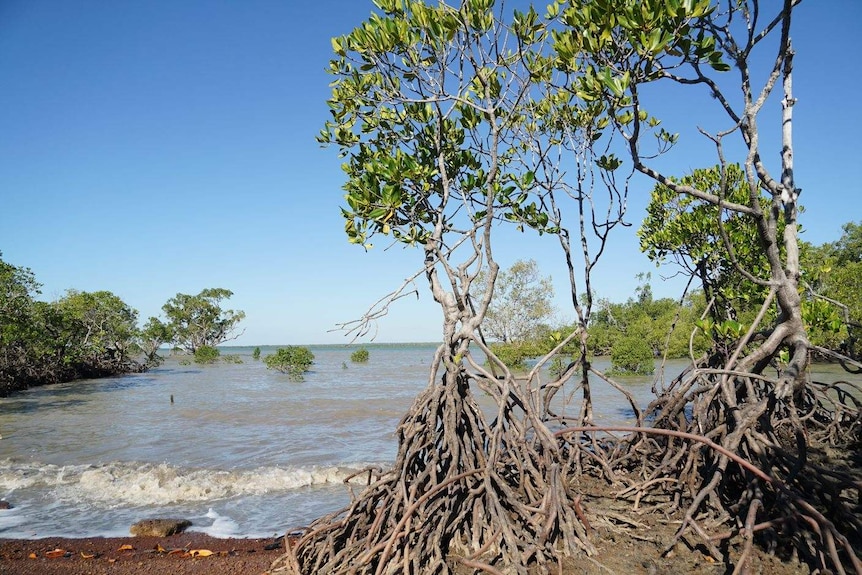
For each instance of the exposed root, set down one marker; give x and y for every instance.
(729, 453)
(487, 495)
(724, 453)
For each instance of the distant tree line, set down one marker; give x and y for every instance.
(95, 334)
(636, 332)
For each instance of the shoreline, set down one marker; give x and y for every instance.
(184, 553)
(637, 551)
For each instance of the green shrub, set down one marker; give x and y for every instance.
(292, 360)
(206, 354)
(359, 356)
(231, 358)
(256, 353)
(632, 355)
(514, 355)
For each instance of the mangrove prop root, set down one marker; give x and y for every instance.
(736, 455)
(462, 491)
(738, 461)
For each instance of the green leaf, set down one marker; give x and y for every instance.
(720, 66)
(337, 47)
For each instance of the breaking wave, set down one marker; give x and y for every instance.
(130, 483)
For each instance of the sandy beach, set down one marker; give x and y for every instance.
(182, 554)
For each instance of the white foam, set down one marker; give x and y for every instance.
(122, 484)
(15, 475)
(222, 526)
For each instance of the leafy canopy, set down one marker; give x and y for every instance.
(206, 355)
(83, 334)
(618, 44)
(18, 286)
(99, 322)
(417, 103)
(151, 337)
(198, 320)
(707, 241)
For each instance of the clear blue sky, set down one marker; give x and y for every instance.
(150, 148)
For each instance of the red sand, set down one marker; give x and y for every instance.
(174, 555)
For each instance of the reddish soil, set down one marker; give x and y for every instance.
(637, 553)
(627, 544)
(174, 555)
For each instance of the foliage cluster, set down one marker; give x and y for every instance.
(720, 248)
(708, 242)
(646, 328)
(82, 334)
(96, 334)
(206, 354)
(642, 326)
(632, 355)
(632, 334)
(292, 360)
(359, 356)
(689, 232)
(519, 307)
(832, 279)
(195, 321)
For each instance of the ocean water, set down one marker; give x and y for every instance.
(242, 451)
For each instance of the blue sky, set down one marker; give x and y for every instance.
(151, 148)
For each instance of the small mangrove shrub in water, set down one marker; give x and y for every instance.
(292, 360)
(256, 353)
(359, 356)
(206, 354)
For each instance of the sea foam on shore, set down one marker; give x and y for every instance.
(47, 498)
